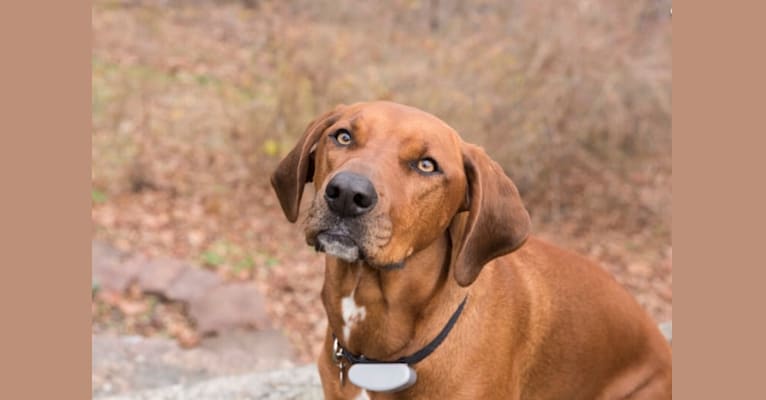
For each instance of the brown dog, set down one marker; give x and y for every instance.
(409, 215)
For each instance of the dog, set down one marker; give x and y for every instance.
(433, 282)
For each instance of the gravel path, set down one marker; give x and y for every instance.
(129, 364)
(288, 384)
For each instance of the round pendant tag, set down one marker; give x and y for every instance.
(382, 377)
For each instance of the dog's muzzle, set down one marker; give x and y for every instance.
(349, 196)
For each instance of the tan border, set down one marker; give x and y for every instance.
(718, 113)
(45, 79)
(44, 207)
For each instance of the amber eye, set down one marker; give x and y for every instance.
(342, 137)
(427, 165)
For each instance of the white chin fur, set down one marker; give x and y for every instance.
(345, 252)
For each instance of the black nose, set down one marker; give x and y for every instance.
(350, 195)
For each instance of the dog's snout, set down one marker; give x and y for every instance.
(350, 195)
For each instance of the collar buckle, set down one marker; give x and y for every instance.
(337, 351)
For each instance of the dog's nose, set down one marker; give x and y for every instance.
(350, 195)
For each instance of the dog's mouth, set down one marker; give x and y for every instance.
(344, 247)
(349, 239)
(339, 245)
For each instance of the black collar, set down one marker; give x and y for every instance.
(339, 352)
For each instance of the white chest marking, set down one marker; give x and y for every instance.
(351, 313)
(362, 395)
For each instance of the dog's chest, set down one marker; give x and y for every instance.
(352, 314)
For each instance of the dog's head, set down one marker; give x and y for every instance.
(390, 179)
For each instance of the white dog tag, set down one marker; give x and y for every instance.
(382, 377)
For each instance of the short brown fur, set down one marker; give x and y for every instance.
(539, 323)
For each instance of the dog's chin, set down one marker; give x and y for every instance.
(346, 249)
(339, 246)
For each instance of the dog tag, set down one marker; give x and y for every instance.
(382, 377)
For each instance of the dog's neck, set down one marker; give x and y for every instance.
(386, 314)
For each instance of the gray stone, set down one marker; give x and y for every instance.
(192, 284)
(229, 306)
(104, 253)
(122, 364)
(109, 270)
(157, 275)
(289, 384)
(243, 350)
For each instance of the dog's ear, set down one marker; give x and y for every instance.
(297, 168)
(497, 222)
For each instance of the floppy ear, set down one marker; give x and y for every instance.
(297, 168)
(497, 222)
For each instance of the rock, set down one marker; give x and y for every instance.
(104, 253)
(300, 383)
(192, 284)
(123, 364)
(214, 305)
(108, 268)
(229, 306)
(159, 274)
(247, 350)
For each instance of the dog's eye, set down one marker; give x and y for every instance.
(427, 165)
(342, 137)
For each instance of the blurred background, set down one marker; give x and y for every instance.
(194, 102)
